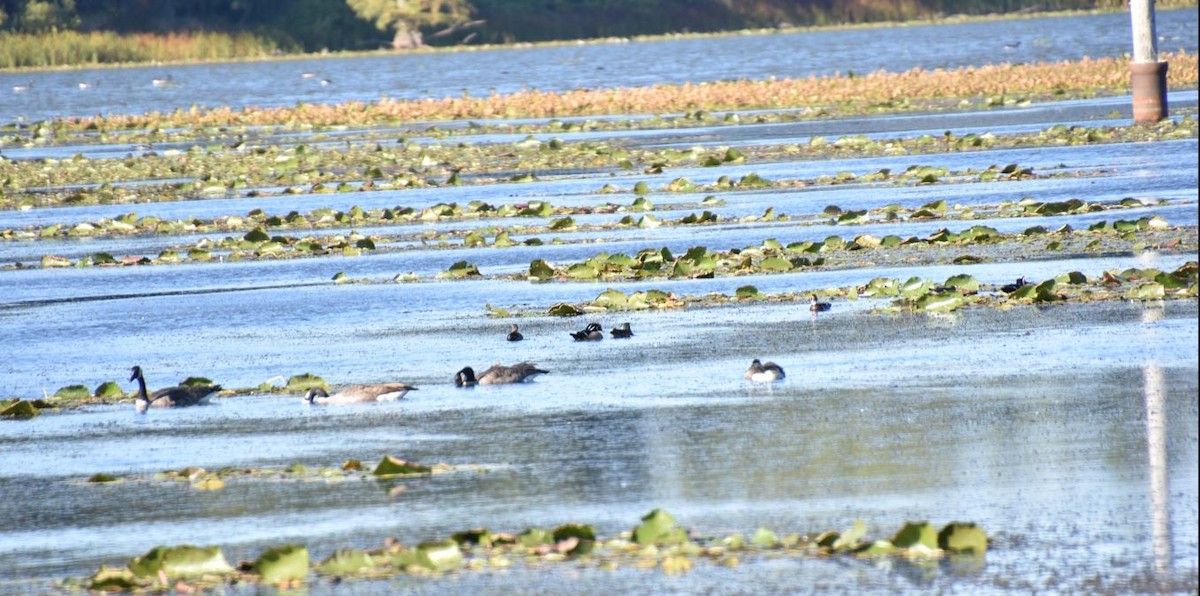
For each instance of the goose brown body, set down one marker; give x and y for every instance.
(498, 375)
(358, 394)
(170, 397)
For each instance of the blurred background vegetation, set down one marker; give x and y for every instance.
(47, 33)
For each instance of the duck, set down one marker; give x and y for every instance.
(514, 333)
(622, 331)
(498, 375)
(163, 81)
(764, 372)
(817, 306)
(1012, 287)
(358, 394)
(593, 332)
(22, 87)
(170, 397)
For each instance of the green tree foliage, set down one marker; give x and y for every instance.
(406, 17)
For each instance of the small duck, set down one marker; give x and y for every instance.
(22, 87)
(358, 394)
(308, 75)
(1012, 287)
(764, 372)
(622, 331)
(85, 85)
(593, 332)
(170, 397)
(163, 81)
(498, 375)
(817, 306)
(514, 333)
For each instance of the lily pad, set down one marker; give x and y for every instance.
(73, 392)
(914, 533)
(562, 309)
(540, 270)
(394, 466)
(658, 527)
(959, 537)
(282, 564)
(20, 409)
(439, 556)
(181, 562)
(303, 382)
(346, 561)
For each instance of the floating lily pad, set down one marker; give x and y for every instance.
(180, 562)
(394, 466)
(102, 478)
(540, 270)
(115, 579)
(73, 392)
(346, 561)
(282, 564)
(439, 556)
(1147, 291)
(914, 533)
(959, 537)
(562, 309)
(658, 527)
(20, 410)
(303, 382)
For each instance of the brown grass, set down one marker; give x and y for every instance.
(835, 94)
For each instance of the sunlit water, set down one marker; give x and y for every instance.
(1069, 432)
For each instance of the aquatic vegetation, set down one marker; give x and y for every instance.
(656, 543)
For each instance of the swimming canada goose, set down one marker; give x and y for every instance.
(1012, 287)
(593, 332)
(358, 394)
(818, 306)
(170, 397)
(514, 333)
(622, 331)
(764, 372)
(498, 375)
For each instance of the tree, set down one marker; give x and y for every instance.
(406, 17)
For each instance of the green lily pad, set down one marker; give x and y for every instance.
(959, 537)
(850, 538)
(562, 309)
(914, 533)
(20, 410)
(394, 466)
(775, 264)
(282, 564)
(534, 537)
(963, 283)
(658, 527)
(181, 562)
(875, 548)
(73, 392)
(303, 382)
(102, 478)
(540, 270)
(346, 561)
(1147, 291)
(747, 292)
(585, 536)
(764, 538)
(115, 579)
(439, 556)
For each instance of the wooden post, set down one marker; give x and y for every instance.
(1149, 76)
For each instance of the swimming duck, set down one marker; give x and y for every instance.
(764, 372)
(163, 81)
(514, 333)
(622, 331)
(170, 397)
(818, 306)
(21, 88)
(498, 375)
(1012, 287)
(593, 332)
(357, 394)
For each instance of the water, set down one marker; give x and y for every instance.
(1068, 432)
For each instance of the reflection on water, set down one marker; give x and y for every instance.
(1155, 395)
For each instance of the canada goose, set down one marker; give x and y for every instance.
(1012, 287)
(764, 372)
(818, 306)
(170, 397)
(514, 333)
(498, 375)
(622, 331)
(593, 332)
(357, 394)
